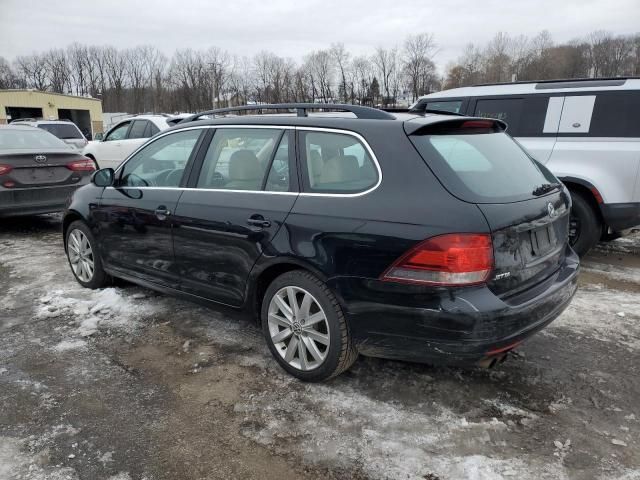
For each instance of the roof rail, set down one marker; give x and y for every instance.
(559, 80)
(301, 109)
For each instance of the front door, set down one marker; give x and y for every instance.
(135, 216)
(241, 194)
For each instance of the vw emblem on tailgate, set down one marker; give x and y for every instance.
(551, 209)
(40, 158)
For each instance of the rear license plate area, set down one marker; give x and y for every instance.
(543, 240)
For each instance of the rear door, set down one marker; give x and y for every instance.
(242, 190)
(525, 206)
(135, 216)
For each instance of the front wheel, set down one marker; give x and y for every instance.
(305, 327)
(83, 256)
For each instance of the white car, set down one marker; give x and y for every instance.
(125, 137)
(585, 131)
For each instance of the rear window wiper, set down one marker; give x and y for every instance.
(545, 188)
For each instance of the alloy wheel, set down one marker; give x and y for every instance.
(298, 328)
(80, 255)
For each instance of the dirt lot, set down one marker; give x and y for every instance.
(125, 384)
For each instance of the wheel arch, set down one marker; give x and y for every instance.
(588, 191)
(263, 275)
(70, 217)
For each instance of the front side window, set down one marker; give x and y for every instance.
(337, 163)
(118, 133)
(238, 158)
(160, 163)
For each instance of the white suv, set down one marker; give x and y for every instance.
(125, 137)
(587, 132)
(65, 130)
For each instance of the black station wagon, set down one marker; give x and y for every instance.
(431, 238)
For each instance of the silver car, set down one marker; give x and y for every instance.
(65, 130)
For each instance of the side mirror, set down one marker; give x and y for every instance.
(98, 136)
(103, 177)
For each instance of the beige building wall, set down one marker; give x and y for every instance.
(50, 103)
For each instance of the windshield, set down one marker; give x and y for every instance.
(481, 167)
(61, 130)
(17, 139)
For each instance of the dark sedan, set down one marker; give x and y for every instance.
(38, 171)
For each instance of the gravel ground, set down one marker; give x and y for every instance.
(125, 384)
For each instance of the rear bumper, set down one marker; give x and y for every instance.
(454, 327)
(621, 216)
(33, 201)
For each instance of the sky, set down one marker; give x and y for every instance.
(292, 28)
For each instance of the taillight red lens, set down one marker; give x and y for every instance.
(4, 169)
(82, 165)
(453, 259)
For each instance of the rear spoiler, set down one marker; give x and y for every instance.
(453, 123)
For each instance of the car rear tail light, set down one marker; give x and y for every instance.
(453, 259)
(9, 184)
(86, 165)
(4, 169)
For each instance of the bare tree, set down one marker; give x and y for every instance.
(386, 62)
(33, 70)
(418, 62)
(341, 59)
(58, 71)
(7, 77)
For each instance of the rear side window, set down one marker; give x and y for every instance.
(509, 110)
(151, 130)
(480, 167)
(64, 131)
(451, 106)
(337, 163)
(238, 159)
(138, 129)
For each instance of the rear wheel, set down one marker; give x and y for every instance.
(585, 227)
(83, 256)
(305, 328)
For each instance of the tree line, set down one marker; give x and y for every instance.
(143, 79)
(505, 58)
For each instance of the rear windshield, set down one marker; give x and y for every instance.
(481, 167)
(14, 139)
(61, 130)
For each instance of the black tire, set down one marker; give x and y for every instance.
(340, 353)
(585, 227)
(99, 277)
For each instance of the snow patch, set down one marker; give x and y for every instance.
(15, 463)
(67, 345)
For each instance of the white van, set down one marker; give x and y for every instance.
(587, 132)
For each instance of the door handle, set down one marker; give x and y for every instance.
(162, 212)
(258, 221)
